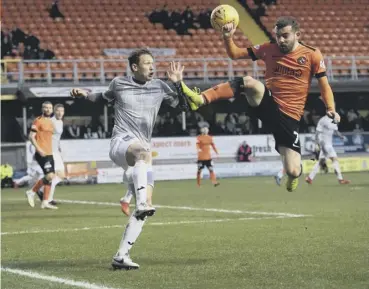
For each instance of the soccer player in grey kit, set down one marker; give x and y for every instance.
(137, 100)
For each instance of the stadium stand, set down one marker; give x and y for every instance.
(79, 36)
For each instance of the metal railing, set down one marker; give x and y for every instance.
(103, 70)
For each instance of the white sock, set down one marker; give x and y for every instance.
(280, 173)
(23, 180)
(56, 180)
(130, 235)
(140, 182)
(129, 194)
(314, 171)
(337, 168)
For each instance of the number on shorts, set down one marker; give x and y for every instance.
(295, 143)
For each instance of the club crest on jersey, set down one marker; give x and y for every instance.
(301, 60)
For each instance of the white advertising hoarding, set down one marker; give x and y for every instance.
(188, 171)
(167, 148)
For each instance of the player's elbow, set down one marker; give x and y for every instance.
(232, 55)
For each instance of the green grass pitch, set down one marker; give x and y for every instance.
(184, 246)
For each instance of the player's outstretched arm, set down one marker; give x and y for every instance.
(328, 98)
(81, 93)
(233, 51)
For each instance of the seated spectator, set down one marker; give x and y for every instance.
(154, 16)
(18, 36)
(358, 128)
(230, 123)
(164, 18)
(74, 131)
(32, 41)
(244, 153)
(204, 19)
(6, 176)
(54, 11)
(175, 16)
(89, 134)
(45, 53)
(188, 17)
(29, 53)
(6, 44)
(182, 28)
(352, 117)
(100, 132)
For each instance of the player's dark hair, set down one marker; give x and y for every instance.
(134, 57)
(284, 21)
(56, 106)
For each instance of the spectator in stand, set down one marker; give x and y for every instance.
(74, 130)
(175, 17)
(45, 53)
(188, 17)
(6, 43)
(154, 16)
(244, 153)
(352, 118)
(358, 128)
(366, 122)
(54, 11)
(32, 41)
(18, 36)
(6, 176)
(182, 28)
(100, 132)
(29, 53)
(89, 134)
(164, 18)
(260, 11)
(218, 129)
(230, 123)
(204, 19)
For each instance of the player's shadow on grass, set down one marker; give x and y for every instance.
(60, 216)
(177, 261)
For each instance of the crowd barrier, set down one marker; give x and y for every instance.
(184, 148)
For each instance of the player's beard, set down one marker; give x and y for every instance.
(287, 47)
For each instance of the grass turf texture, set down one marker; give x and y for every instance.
(328, 249)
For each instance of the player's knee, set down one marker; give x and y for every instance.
(46, 181)
(49, 176)
(138, 153)
(294, 172)
(249, 82)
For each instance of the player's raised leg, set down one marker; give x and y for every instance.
(292, 165)
(246, 86)
(139, 158)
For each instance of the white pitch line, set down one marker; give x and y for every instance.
(149, 224)
(191, 209)
(35, 275)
